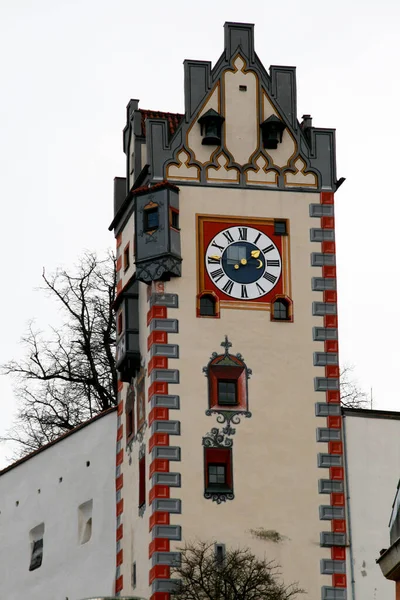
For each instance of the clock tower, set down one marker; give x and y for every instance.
(229, 426)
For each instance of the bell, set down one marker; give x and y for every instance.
(272, 130)
(211, 124)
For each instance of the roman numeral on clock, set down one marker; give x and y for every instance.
(268, 248)
(269, 277)
(244, 292)
(273, 263)
(243, 233)
(217, 275)
(260, 289)
(220, 248)
(228, 236)
(257, 238)
(228, 287)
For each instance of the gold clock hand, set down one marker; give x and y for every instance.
(255, 253)
(215, 257)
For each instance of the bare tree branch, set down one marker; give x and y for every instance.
(351, 395)
(68, 375)
(240, 576)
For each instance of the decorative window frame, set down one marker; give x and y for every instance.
(130, 409)
(216, 442)
(289, 302)
(228, 367)
(217, 305)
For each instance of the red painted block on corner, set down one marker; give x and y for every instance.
(159, 465)
(332, 371)
(330, 321)
(158, 491)
(120, 433)
(158, 545)
(160, 595)
(157, 388)
(158, 439)
(330, 296)
(329, 272)
(337, 499)
(333, 397)
(327, 222)
(336, 473)
(119, 482)
(156, 312)
(335, 447)
(338, 525)
(331, 346)
(328, 247)
(120, 457)
(157, 362)
(120, 558)
(338, 553)
(158, 518)
(327, 197)
(120, 533)
(157, 337)
(339, 580)
(159, 572)
(119, 584)
(334, 422)
(158, 414)
(120, 408)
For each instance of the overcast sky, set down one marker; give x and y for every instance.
(68, 69)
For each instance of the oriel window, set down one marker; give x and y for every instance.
(151, 219)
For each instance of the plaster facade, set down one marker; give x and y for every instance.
(373, 458)
(53, 494)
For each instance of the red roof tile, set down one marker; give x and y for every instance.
(173, 119)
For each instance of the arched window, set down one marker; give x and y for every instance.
(281, 310)
(208, 306)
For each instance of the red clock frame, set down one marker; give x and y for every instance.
(208, 226)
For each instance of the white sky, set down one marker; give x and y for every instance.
(68, 69)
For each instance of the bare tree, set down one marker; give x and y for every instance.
(351, 395)
(237, 575)
(69, 374)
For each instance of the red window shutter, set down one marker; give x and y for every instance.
(142, 481)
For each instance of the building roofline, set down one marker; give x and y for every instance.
(59, 439)
(371, 413)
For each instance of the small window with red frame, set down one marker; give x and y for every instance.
(218, 470)
(126, 257)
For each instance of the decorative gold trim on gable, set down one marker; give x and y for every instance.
(184, 165)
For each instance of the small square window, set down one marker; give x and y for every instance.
(280, 310)
(207, 306)
(227, 392)
(280, 228)
(126, 258)
(151, 219)
(174, 219)
(216, 474)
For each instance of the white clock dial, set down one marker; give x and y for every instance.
(243, 262)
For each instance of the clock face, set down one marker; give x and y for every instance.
(243, 262)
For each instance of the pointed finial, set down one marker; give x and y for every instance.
(226, 344)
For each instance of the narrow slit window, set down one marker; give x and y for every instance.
(126, 257)
(119, 323)
(85, 511)
(174, 218)
(220, 552)
(36, 536)
(151, 219)
(142, 481)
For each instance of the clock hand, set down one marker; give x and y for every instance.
(215, 257)
(255, 253)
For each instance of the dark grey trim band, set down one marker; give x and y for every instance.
(168, 300)
(330, 486)
(331, 593)
(323, 409)
(329, 460)
(326, 434)
(322, 235)
(321, 284)
(321, 359)
(170, 505)
(166, 558)
(319, 309)
(169, 479)
(165, 375)
(166, 452)
(328, 513)
(170, 427)
(322, 210)
(320, 259)
(321, 334)
(164, 585)
(328, 539)
(169, 532)
(167, 401)
(168, 325)
(323, 384)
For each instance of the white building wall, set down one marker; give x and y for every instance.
(33, 492)
(373, 456)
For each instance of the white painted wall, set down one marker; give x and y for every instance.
(373, 455)
(69, 570)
